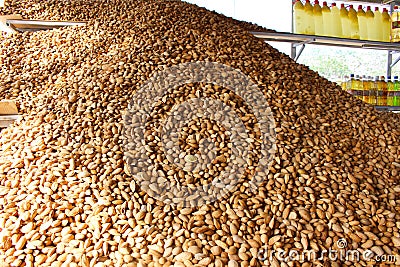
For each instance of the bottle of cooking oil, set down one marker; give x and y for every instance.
(362, 22)
(358, 87)
(375, 91)
(396, 96)
(354, 26)
(309, 18)
(327, 19)
(319, 27)
(345, 80)
(395, 25)
(366, 88)
(336, 21)
(345, 21)
(372, 93)
(370, 17)
(351, 84)
(378, 25)
(390, 91)
(382, 98)
(299, 17)
(387, 24)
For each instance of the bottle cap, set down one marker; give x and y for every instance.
(368, 8)
(316, 2)
(385, 10)
(396, 77)
(333, 4)
(325, 4)
(360, 7)
(376, 8)
(395, 7)
(352, 75)
(351, 6)
(342, 6)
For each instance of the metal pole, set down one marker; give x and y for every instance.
(389, 64)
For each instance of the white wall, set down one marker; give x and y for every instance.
(272, 14)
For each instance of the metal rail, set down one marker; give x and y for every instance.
(301, 40)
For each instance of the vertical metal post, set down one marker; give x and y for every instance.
(390, 54)
(293, 51)
(389, 64)
(292, 46)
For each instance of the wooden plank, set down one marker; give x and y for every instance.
(37, 25)
(6, 121)
(8, 107)
(3, 23)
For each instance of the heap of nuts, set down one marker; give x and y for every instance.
(68, 196)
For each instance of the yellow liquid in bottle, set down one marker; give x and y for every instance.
(386, 21)
(354, 27)
(299, 17)
(369, 15)
(390, 93)
(366, 89)
(309, 18)
(319, 28)
(378, 22)
(327, 21)
(362, 22)
(336, 22)
(345, 21)
(395, 25)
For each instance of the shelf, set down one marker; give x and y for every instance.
(385, 108)
(22, 25)
(381, 2)
(301, 39)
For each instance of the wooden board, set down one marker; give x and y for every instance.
(22, 25)
(8, 107)
(6, 121)
(3, 22)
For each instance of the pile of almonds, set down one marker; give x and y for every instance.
(67, 198)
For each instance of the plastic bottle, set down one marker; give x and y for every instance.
(396, 96)
(382, 99)
(327, 19)
(395, 25)
(357, 88)
(345, 81)
(336, 21)
(369, 15)
(309, 27)
(354, 27)
(319, 27)
(344, 19)
(375, 91)
(378, 23)
(362, 22)
(371, 90)
(390, 89)
(299, 17)
(366, 88)
(387, 24)
(351, 84)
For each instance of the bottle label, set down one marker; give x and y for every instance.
(395, 25)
